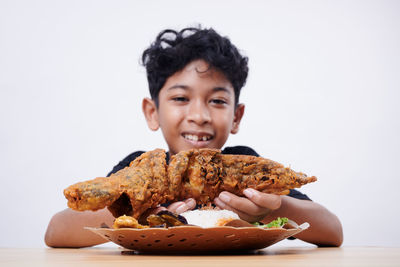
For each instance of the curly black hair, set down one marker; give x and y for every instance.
(172, 51)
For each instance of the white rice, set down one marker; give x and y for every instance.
(208, 218)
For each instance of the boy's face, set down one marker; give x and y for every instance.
(196, 109)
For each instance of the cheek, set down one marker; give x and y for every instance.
(170, 117)
(225, 118)
(223, 121)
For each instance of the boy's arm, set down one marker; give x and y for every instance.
(66, 228)
(325, 228)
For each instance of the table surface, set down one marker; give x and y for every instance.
(273, 256)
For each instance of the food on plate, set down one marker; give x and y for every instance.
(201, 217)
(205, 218)
(198, 173)
(127, 222)
(277, 223)
(163, 219)
(209, 217)
(166, 218)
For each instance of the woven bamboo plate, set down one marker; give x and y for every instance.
(196, 239)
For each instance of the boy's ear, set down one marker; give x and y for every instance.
(150, 113)
(237, 118)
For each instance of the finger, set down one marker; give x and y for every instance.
(269, 201)
(243, 215)
(182, 206)
(174, 206)
(240, 203)
(190, 202)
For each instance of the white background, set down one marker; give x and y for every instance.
(322, 97)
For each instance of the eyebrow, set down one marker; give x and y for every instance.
(179, 86)
(185, 87)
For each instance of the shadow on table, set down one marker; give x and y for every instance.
(275, 251)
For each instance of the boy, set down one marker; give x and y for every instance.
(195, 77)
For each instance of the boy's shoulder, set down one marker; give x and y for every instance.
(240, 150)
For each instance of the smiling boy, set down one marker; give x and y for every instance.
(195, 77)
(196, 109)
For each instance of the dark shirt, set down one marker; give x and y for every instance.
(235, 150)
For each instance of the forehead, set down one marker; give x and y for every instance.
(199, 75)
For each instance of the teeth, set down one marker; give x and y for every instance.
(196, 138)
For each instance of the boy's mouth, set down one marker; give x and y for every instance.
(197, 137)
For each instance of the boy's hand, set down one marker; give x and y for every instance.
(176, 207)
(182, 206)
(252, 208)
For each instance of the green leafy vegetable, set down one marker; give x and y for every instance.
(278, 223)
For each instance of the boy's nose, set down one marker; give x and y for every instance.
(198, 113)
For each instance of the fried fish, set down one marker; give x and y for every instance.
(198, 173)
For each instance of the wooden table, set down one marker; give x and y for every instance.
(273, 256)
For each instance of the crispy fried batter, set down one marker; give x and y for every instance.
(205, 173)
(198, 173)
(141, 185)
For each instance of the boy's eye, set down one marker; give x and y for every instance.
(218, 101)
(180, 99)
